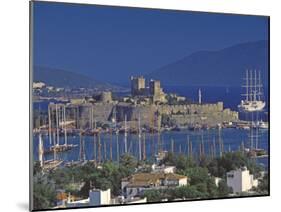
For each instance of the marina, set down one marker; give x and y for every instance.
(174, 141)
(74, 132)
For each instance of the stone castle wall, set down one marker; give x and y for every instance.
(150, 115)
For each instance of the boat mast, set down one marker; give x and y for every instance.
(255, 85)
(99, 148)
(214, 145)
(65, 133)
(199, 96)
(54, 138)
(203, 147)
(111, 157)
(172, 145)
(81, 147)
(54, 149)
(50, 124)
(247, 85)
(139, 138)
(180, 149)
(159, 148)
(143, 152)
(92, 117)
(41, 151)
(190, 149)
(57, 120)
(104, 150)
(188, 145)
(117, 144)
(251, 85)
(220, 141)
(125, 134)
(82, 155)
(95, 147)
(259, 88)
(117, 135)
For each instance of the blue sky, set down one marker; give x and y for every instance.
(112, 43)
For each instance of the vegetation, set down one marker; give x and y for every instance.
(201, 173)
(263, 185)
(80, 179)
(44, 193)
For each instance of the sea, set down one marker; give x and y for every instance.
(231, 138)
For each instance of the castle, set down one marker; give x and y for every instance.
(154, 90)
(149, 103)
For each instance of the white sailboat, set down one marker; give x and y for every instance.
(252, 102)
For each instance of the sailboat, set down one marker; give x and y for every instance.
(252, 102)
(57, 147)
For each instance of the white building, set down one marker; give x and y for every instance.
(163, 168)
(241, 180)
(96, 197)
(99, 197)
(136, 184)
(38, 85)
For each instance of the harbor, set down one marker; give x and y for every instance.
(149, 134)
(175, 141)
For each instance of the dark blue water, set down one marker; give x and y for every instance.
(232, 139)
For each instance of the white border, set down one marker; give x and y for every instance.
(14, 87)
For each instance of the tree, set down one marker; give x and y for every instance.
(223, 189)
(212, 188)
(128, 164)
(197, 175)
(153, 195)
(169, 159)
(36, 168)
(181, 162)
(263, 185)
(44, 193)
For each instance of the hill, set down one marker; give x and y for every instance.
(225, 67)
(67, 79)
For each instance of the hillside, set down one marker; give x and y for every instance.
(67, 79)
(225, 67)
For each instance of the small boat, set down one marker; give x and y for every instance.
(263, 125)
(60, 148)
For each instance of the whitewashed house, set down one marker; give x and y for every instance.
(96, 197)
(240, 180)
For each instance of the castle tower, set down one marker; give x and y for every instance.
(155, 90)
(137, 85)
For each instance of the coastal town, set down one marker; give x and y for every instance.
(131, 159)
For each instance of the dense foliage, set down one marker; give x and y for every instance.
(201, 173)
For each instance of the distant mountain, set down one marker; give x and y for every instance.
(225, 67)
(67, 79)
